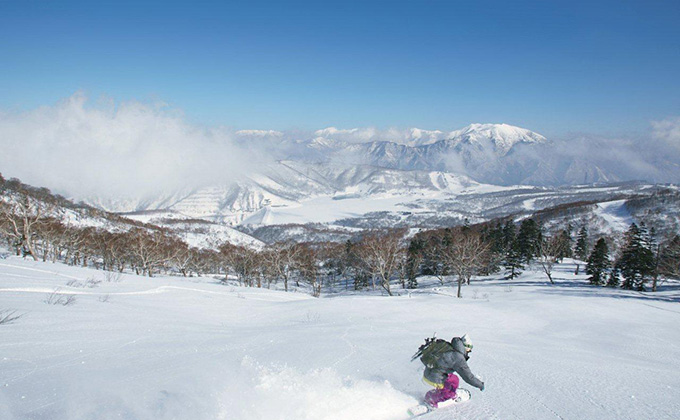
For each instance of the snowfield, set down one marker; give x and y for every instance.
(193, 348)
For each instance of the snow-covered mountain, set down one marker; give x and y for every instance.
(498, 154)
(286, 185)
(361, 179)
(429, 150)
(502, 136)
(197, 233)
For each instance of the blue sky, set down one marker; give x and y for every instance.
(550, 66)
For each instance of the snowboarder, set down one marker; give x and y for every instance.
(442, 361)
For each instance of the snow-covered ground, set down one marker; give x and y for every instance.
(329, 209)
(192, 348)
(196, 233)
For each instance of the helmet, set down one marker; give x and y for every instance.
(467, 342)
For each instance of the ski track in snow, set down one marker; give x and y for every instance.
(661, 309)
(67, 290)
(53, 273)
(615, 214)
(156, 290)
(352, 347)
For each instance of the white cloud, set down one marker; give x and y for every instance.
(259, 133)
(668, 131)
(410, 136)
(130, 149)
(652, 156)
(134, 149)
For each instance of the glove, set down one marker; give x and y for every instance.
(482, 388)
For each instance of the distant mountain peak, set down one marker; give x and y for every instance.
(503, 136)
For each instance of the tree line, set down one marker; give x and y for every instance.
(642, 258)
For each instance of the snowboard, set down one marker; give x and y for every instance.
(462, 395)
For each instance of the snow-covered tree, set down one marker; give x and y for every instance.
(613, 280)
(20, 218)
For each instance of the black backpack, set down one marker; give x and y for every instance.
(430, 352)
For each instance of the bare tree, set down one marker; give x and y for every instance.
(207, 261)
(381, 254)
(240, 260)
(402, 268)
(182, 257)
(549, 251)
(307, 265)
(74, 242)
(281, 258)
(150, 251)
(436, 248)
(467, 254)
(20, 217)
(50, 232)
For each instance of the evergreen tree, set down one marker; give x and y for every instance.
(513, 262)
(598, 263)
(414, 258)
(509, 233)
(581, 250)
(648, 235)
(528, 240)
(669, 259)
(613, 279)
(565, 244)
(637, 261)
(494, 237)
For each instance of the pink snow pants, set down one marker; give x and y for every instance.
(446, 392)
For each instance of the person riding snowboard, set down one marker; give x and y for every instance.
(442, 361)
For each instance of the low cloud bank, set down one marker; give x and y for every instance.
(653, 156)
(135, 149)
(126, 149)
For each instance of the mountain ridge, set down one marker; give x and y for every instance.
(344, 166)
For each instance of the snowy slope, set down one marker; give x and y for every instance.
(615, 214)
(196, 233)
(169, 348)
(367, 197)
